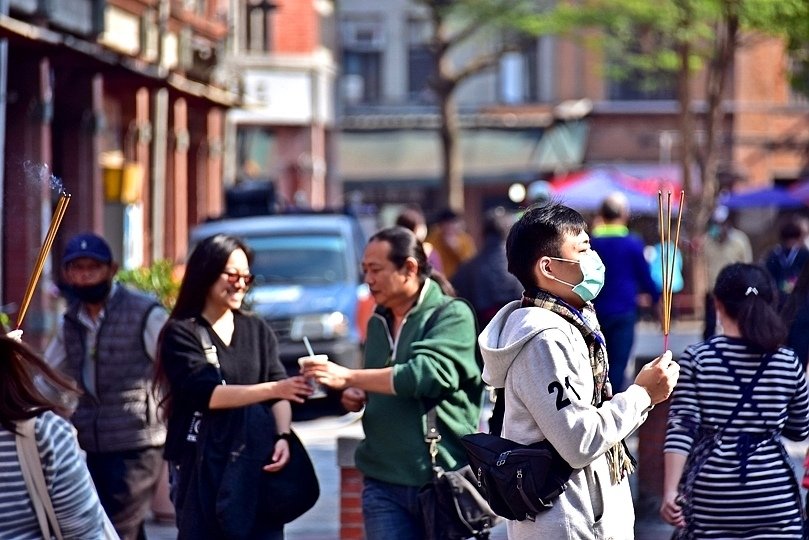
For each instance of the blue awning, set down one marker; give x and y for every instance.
(771, 196)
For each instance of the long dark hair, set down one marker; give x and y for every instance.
(20, 397)
(403, 245)
(749, 297)
(204, 266)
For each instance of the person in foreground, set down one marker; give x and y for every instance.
(548, 353)
(216, 279)
(416, 358)
(75, 501)
(727, 474)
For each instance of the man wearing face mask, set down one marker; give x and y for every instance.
(106, 342)
(626, 276)
(547, 352)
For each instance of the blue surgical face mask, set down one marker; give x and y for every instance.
(592, 270)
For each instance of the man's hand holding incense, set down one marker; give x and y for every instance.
(659, 377)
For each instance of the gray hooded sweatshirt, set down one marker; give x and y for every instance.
(542, 362)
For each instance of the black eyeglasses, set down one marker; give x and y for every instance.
(234, 277)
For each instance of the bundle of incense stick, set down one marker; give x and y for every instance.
(668, 254)
(56, 219)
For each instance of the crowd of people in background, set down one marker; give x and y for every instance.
(554, 311)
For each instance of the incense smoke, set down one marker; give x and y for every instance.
(40, 173)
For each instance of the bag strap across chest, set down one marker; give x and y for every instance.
(31, 465)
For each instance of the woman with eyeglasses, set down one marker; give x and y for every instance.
(210, 385)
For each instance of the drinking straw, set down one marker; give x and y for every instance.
(308, 346)
(56, 220)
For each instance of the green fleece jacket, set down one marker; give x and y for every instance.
(430, 365)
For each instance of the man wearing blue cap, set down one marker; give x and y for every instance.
(107, 342)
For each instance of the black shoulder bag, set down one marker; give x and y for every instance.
(451, 506)
(229, 484)
(519, 481)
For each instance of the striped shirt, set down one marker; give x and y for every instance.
(74, 498)
(745, 487)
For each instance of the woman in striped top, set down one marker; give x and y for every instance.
(75, 502)
(727, 474)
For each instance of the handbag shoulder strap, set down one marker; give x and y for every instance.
(31, 465)
(432, 436)
(211, 356)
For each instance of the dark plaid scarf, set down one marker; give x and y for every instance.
(621, 462)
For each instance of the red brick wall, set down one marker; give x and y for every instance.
(295, 27)
(351, 527)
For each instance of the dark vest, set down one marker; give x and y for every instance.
(123, 414)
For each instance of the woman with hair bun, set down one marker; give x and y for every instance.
(727, 474)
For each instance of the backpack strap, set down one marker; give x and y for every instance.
(498, 412)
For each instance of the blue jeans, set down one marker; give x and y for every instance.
(619, 333)
(391, 511)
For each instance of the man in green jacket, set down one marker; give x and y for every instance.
(413, 361)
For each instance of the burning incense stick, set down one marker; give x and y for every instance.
(668, 256)
(56, 220)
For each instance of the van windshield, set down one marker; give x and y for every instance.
(300, 258)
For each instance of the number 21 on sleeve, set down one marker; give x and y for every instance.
(561, 400)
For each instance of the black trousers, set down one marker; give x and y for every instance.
(126, 483)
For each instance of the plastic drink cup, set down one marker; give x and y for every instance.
(318, 390)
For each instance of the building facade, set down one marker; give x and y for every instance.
(389, 152)
(632, 126)
(120, 103)
(282, 58)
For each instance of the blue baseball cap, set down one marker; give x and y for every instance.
(87, 245)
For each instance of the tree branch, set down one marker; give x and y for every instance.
(465, 33)
(479, 63)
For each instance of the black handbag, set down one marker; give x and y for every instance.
(247, 491)
(518, 481)
(450, 504)
(233, 497)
